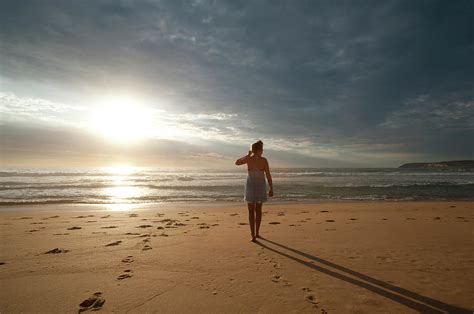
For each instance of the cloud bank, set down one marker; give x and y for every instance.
(322, 83)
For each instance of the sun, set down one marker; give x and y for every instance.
(122, 120)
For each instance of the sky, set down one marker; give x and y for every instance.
(195, 83)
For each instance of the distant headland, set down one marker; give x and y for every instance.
(454, 164)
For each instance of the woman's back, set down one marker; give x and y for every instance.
(256, 163)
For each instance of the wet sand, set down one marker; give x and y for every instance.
(354, 257)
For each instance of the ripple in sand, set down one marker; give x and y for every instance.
(74, 228)
(144, 226)
(274, 223)
(114, 243)
(109, 227)
(56, 251)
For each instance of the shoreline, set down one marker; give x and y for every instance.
(148, 206)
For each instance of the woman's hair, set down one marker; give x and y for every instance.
(257, 146)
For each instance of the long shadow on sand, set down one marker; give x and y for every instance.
(408, 298)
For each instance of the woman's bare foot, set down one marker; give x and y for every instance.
(254, 238)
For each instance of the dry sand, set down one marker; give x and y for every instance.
(379, 257)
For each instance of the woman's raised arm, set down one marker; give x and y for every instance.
(243, 160)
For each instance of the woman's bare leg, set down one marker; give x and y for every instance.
(258, 217)
(251, 207)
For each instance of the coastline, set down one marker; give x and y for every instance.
(378, 256)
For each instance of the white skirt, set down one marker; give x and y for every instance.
(255, 189)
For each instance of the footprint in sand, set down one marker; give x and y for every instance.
(128, 259)
(437, 218)
(330, 220)
(204, 226)
(132, 233)
(273, 223)
(125, 275)
(56, 251)
(54, 216)
(163, 235)
(74, 228)
(145, 235)
(2, 263)
(146, 240)
(109, 227)
(243, 223)
(146, 248)
(234, 214)
(160, 227)
(276, 278)
(195, 217)
(133, 215)
(281, 214)
(410, 218)
(352, 218)
(94, 303)
(144, 226)
(311, 298)
(114, 243)
(324, 211)
(26, 218)
(106, 216)
(32, 230)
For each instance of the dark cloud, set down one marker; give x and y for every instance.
(366, 82)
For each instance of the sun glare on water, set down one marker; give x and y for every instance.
(122, 120)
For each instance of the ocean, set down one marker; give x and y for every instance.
(130, 185)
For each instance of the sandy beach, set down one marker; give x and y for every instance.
(354, 257)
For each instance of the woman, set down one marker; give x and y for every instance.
(255, 187)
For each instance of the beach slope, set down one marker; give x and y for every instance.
(384, 257)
